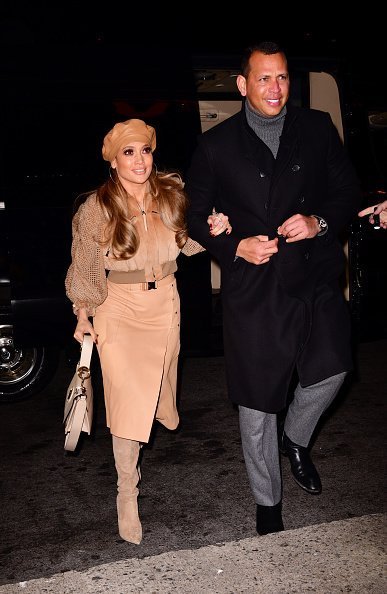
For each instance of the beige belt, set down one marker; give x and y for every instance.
(123, 278)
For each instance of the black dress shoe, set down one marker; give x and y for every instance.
(269, 519)
(303, 470)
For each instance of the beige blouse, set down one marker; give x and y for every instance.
(85, 281)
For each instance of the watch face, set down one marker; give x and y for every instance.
(321, 223)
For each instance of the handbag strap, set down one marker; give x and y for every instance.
(86, 351)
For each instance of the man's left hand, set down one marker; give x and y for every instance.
(299, 227)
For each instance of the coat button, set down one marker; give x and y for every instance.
(266, 205)
(302, 199)
(262, 174)
(306, 255)
(296, 168)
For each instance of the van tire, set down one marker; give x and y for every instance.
(24, 370)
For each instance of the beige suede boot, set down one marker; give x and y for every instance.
(126, 452)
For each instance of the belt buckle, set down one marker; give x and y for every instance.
(151, 285)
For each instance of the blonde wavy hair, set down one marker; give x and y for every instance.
(121, 234)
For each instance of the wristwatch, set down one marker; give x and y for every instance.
(322, 224)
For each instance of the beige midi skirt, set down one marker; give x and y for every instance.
(138, 345)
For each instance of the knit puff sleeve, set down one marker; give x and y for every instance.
(192, 247)
(85, 281)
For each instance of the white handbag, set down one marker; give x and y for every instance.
(78, 409)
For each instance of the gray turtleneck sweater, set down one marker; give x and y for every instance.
(269, 130)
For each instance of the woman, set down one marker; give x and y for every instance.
(134, 227)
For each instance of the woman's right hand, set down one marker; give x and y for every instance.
(84, 326)
(218, 223)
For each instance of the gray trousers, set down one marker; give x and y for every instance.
(260, 440)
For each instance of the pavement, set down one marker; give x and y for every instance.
(59, 533)
(342, 556)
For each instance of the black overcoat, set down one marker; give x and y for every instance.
(291, 312)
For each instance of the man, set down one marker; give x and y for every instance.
(282, 176)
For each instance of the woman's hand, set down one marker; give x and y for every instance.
(84, 326)
(218, 223)
(378, 209)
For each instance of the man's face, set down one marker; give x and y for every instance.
(267, 84)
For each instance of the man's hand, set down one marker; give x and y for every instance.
(299, 227)
(257, 249)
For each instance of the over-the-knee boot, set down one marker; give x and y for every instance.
(126, 452)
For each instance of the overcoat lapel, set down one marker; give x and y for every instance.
(256, 151)
(288, 149)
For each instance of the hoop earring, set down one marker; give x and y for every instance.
(111, 177)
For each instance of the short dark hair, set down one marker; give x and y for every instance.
(265, 47)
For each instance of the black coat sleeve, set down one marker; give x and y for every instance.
(201, 187)
(343, 197)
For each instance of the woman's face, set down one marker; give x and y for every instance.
(133, 163)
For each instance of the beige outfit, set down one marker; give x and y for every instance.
(138, 330)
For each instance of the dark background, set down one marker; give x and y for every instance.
(133, 34)
(355, 35)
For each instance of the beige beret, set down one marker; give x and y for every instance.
(123, 134)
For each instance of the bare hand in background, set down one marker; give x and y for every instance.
(378, 209)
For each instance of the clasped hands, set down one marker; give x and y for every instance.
(258, 249)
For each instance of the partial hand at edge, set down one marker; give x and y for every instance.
(380, 209)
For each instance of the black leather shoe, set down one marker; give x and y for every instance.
(269, 519)
(303, 470)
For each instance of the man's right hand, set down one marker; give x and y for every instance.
(257, 249)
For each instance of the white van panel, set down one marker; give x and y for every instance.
(214, 112)
(324, 95)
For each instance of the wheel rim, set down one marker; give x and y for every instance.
(16, 364)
